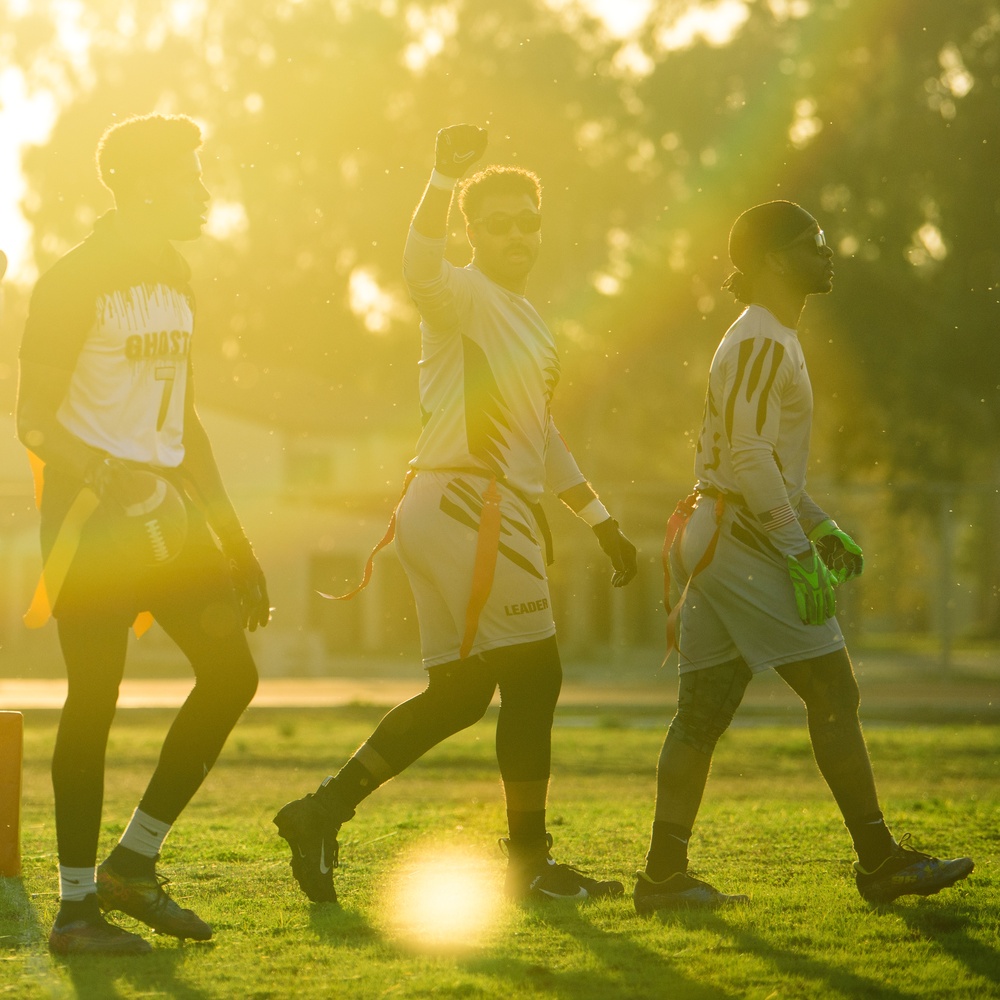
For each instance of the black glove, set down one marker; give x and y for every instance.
(619, 550)
(107, 477)
(457, 147)
(248, 580)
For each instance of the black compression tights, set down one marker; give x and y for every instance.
(94, 651)
(529, 676)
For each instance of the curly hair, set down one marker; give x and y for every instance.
(497, 180)
(138, 146)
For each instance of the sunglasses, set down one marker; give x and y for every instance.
(816, 236)
(499, 223)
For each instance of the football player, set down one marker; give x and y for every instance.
(469, 531)
(759, 562)
(106, 408)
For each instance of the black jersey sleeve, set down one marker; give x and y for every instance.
(60, 315)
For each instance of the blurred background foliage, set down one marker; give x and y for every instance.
(879, 117)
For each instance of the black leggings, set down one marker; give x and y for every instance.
(529, 676)
(94, 650)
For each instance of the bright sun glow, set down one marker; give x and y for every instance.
(375, 305)
(226, 220)
(29, 108)
(621, 17)
(714, 23)
(445, 901)
(27, 118)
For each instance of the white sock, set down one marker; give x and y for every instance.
(77, 883)
(144, 834)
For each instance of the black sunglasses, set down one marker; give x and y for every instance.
(817, 236)
(499, 223)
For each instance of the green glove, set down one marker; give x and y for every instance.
(813, 584)
(838, 550)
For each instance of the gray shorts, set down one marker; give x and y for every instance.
(436, 534)
(742, 604)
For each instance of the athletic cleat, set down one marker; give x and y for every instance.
(93, 935)
(907, 872)
(312, 835)
(143, 897)
(534, 874)
(680, 891)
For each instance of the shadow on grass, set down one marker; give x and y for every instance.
(345, 928)
(92, 977)
(628, 969)
(18, 918)
(948, 928)
(103, 977)
(792, 963)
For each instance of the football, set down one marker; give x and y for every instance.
(152, 526)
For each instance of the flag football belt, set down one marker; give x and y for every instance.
(487, 547)
(64, 549)
(676, 526)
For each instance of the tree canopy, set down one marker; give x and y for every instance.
(320, 118)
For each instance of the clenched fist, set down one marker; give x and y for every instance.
(457, 147)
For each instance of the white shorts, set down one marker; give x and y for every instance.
(436, 530)
(742, 604)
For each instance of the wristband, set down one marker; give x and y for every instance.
(594, 512)
(442, 181)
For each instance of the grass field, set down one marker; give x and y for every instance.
(419, 851)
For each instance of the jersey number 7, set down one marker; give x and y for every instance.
(165, 374)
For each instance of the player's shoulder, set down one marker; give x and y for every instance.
(757, 324)
(83, 265)
(101, 262)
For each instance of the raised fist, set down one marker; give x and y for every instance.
(457, 147)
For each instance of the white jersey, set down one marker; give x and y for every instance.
(755, 433)
(488, 368)
(126, 395)
(124, 327)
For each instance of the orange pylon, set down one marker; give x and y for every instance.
(11, 755)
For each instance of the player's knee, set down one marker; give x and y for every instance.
(698, 730)
(96, 701)
(244, 683)
(231, 685)
(706, 703)
(467, 705)
(459, 693)
(834, 703)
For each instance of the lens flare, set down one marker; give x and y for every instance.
(445, 901)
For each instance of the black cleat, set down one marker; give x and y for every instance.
(533, 874)
(143, 897)
(312, 835)
(93, 935)
(909, 873)
(679, 891)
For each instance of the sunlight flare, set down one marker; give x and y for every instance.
(375, 305)
(445, 900)
(28, 116)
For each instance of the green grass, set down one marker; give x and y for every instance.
(768, 827)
